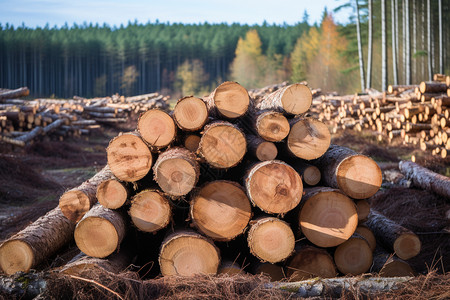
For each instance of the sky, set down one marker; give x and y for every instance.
(37, 13)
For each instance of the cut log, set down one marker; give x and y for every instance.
(432, 87)
(129, 158)
(20, 92)
(261, 149)
(229, 100)
(38, 241)
(271, 239)
(358, 176)
(400, 88)
(150, 211)
(176, 171)
(270, 125)
(112, 193)
(388, 265)
(293, 99)
(274, 186)
(220, 210)
(222, 145)
(310, 174)
(328, 218)
(79, 200)
(81, 263)
(274, 271)
(308, 138)
(191, 142)
(354, 256)
(363, 209)
(309, 262)
(100, 232)
(188, 253)
(425, 178)
(230, 268)
(25, 138)
(156, 128)
(190, 113)
(393, 236)
(368, 235)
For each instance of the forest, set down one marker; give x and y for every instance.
(397, 41)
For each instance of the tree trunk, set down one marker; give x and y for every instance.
(383, 47)
(270, 125)
(156, 128)
(407, 44)
(391, 235)
(100, 232)
(129, 158)
(432, 87)
(274, 186)
(220, 210)
(369, 46)
(222, 145)
(274, 271)
(429, 52)
(229, 100)
(310, 262)
(270, 239)
(23, 91)
(150, 211)
(112, 193)
(354, 256)
(426, 179)
(308, 139)
(23, 139)
(190, 113)
(363, 209)
(261, 149)
(441, 48)
(81, 263)
(76, 202)
(187, 253)
(356, 175)
(394, 43)
(176, 171)
(388, 265)
(293, 99)
(360, 54)
(328, 218)
(38, 241)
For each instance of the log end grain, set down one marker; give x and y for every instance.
(274, 271)
(311, 175)
(112, 194)
(308, 139)
(221, 210)
(15, 256)
(309, 262)
(272, 126)
(190, 113)
(407, 246)
(191, 142)
(74, 205)
(96, 237)
(353, 257)
(266, 151)
(129, 158)
(368, 235)
(363, 209)
(296, 99)
(157, 128)
(396, 268)
(231, 99)
(230, 268)
(150, 211)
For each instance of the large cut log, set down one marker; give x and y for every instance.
(150, 211)
(270, 125)
(309, 262)
(156, 128)
(176, 171)
(222, 145)
(388, 265)
(261, 149)
(128, 156)
(79, 200)
(354, 256)
(100, 232)
(20, 92)
(220, 210)
(432, 87)
(271, 239)
(358, 176)
(310, 174)
(81, 263)
(274, 186)
(112, 193)
(393, 236)
(328, 218)
(229, 100)
(188, 253)
(308, 138)
(368, 235)
(37, 242)
(25, 138)
(190, 113)
(425, 178)
(293, 99)
(400, 88)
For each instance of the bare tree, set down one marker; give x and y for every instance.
(383, 47)
(441, 52)
(430, 67)
(369, 50)
(407, 45)
(360, 54)
(394, 38)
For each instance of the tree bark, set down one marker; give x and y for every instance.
(150, 211)
(220, 209)
(426, 179)
(293, 99)
(271, 239)
(156, 128)
(310, 262)
(38, 241)
(229, 100)
(327, 218)
(176, 171)
(190, 113)
(100, 232)
(356, 175)
(393, 236)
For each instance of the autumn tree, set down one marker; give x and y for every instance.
(305, 51)
(191, 77)
(129, 77)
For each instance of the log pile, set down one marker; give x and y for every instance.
(22, 121)
(413, 114)
(215, 199)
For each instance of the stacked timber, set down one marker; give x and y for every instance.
(258, 178)
(22, 121)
